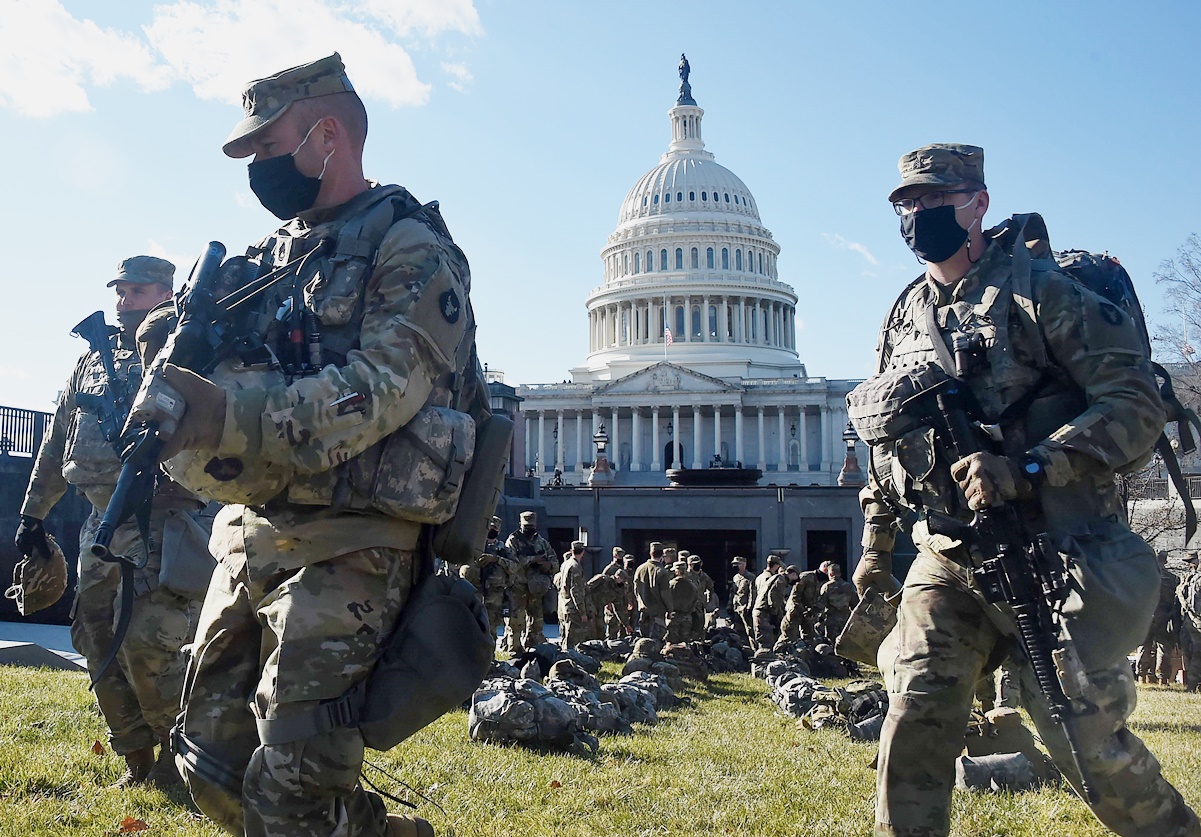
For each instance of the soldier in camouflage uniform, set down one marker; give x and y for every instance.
(574, 620)
(771, 596)
(708, 604)
(619, 618)
(742, 599)
(1094, 411)
(311, 583)
(1154, 663)
(606, 597)
(652, 587)
(534, 567)
(801, 611)
(836, 601)
(1188, 598)
(685, 599)
(139, 697)
(490, 574)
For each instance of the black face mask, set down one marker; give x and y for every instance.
(933, 234)
(493, 534)
(281, 188)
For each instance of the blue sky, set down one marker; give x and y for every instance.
(529, 122)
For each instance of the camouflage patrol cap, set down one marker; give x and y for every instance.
(577, 546)
(267, 99)
(792, 569)
(529, 517)
(145, 270)
(684, 553)
(939, 164)
(694, 560)
(656, 547)
(737, 559)
(495, 521)
(680, 565)
(618, 552)
(773, 560)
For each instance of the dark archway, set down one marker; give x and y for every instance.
(667, 460)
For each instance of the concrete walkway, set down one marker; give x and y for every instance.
(56, 638)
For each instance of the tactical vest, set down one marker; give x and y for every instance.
(1024, 400)
(88, 458)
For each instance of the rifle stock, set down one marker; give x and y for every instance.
(112, 406)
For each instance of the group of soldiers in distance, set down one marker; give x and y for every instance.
(665, 595)
(1173, 643)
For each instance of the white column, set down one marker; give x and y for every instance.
(675, 434)
(529, 461)
(579, 442)
(738, 433)
(636, 444)
(825, 446)
(782, 462)
(649, 336)
(561, 440)
(758, 329)
(762, 465)
(741, 335)
(705, 319)
(696, 436)
(541, 436)
(803, 427)
(717, 431)
(656, 465)
(616, 441)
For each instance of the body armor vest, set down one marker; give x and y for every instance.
(88, 458)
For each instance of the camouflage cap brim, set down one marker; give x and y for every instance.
(917, 182)
(237, 145)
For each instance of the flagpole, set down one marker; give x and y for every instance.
(666, 325)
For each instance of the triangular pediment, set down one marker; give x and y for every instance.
(665, 377)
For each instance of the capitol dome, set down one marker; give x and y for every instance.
(690, 272)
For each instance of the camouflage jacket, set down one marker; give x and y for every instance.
(804, 595)
(1093, 410)
(772, 594)
(838, 596)
(392, 324)
(685, 594)
(74, 450)
(494, 566)
(573, 600)
(652, 587)
(742, 595)
(532, 556)
(604, 590)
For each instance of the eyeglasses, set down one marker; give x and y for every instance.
(930, 200)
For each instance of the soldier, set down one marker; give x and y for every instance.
(742, 599)
(1154, 663)
(573, 598)
(490, 574)
(707, 615)
(685, 598)
(771, 595)
(836, 601)
(139, 694)
(801, 611)
(1067, 426)
(531, 579)
(606, 593)
(1188, 597)
(652, 589)
(310, 584)
(625, 610)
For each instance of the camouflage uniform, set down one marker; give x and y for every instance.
(801, 611)
(685, 599)
(1188, 596)
(707, 605)
(742, 601)
(652, 588)
(836, 601)
(490, 574)
(140, 696)
(530, 580)
(619, 620)
(573, 602)
(1100, 413)
(1155, 657)
(605, 595)
(307, 589)
(770, 600)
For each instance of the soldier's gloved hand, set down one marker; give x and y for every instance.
(874, 572)
(203, 420)
(31, 535)
(990, 480)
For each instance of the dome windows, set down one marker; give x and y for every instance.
(679, 197)
(667, 198)
(663, 260)
(709, 258)
(656, 200)
(692, 196)
(727, 197)
(738, 260)
(725, 258)
(679, 259)
(696, 258)
(704, 196)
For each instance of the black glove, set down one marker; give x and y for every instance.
(31, 535)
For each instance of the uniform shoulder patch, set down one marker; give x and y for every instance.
(450, 306)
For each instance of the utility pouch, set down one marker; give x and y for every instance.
(423, 466)
(187, 565)
(875, 406)
(460, 539)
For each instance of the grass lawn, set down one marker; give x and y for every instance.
(729, 763)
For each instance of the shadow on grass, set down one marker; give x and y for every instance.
(39, 787)
(730, 690)
(1163, 726)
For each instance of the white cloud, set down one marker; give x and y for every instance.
(460, 75)
(183, 262)
(836, 240)
(48, 59)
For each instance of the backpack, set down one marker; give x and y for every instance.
(1104, 276)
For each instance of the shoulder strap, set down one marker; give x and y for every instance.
(880, 359)
(1020, 278)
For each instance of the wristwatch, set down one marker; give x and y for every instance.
(1033, 470)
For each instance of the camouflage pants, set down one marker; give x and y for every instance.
(139, 695)
(931, 664)
(573, 629)
(274, 647)
(797, 624)
(833, 622)
(617, 622)
(494, 604)
(652, 627)
(767, 629)
(525, 626)
(1190, 645)
(739, 621)
(679, 626)
(1155, 657)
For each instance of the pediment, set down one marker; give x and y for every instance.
(665, 377)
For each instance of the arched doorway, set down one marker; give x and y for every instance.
(667, 457)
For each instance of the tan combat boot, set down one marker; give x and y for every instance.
(407, 825)
(164, 775)
(137, 767)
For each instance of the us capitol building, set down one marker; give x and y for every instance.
(692, 342)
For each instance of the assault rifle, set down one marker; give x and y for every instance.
(111, 407)
(1022, 571)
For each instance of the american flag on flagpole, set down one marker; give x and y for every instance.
(667, 335)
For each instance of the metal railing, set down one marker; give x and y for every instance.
(21, 431)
